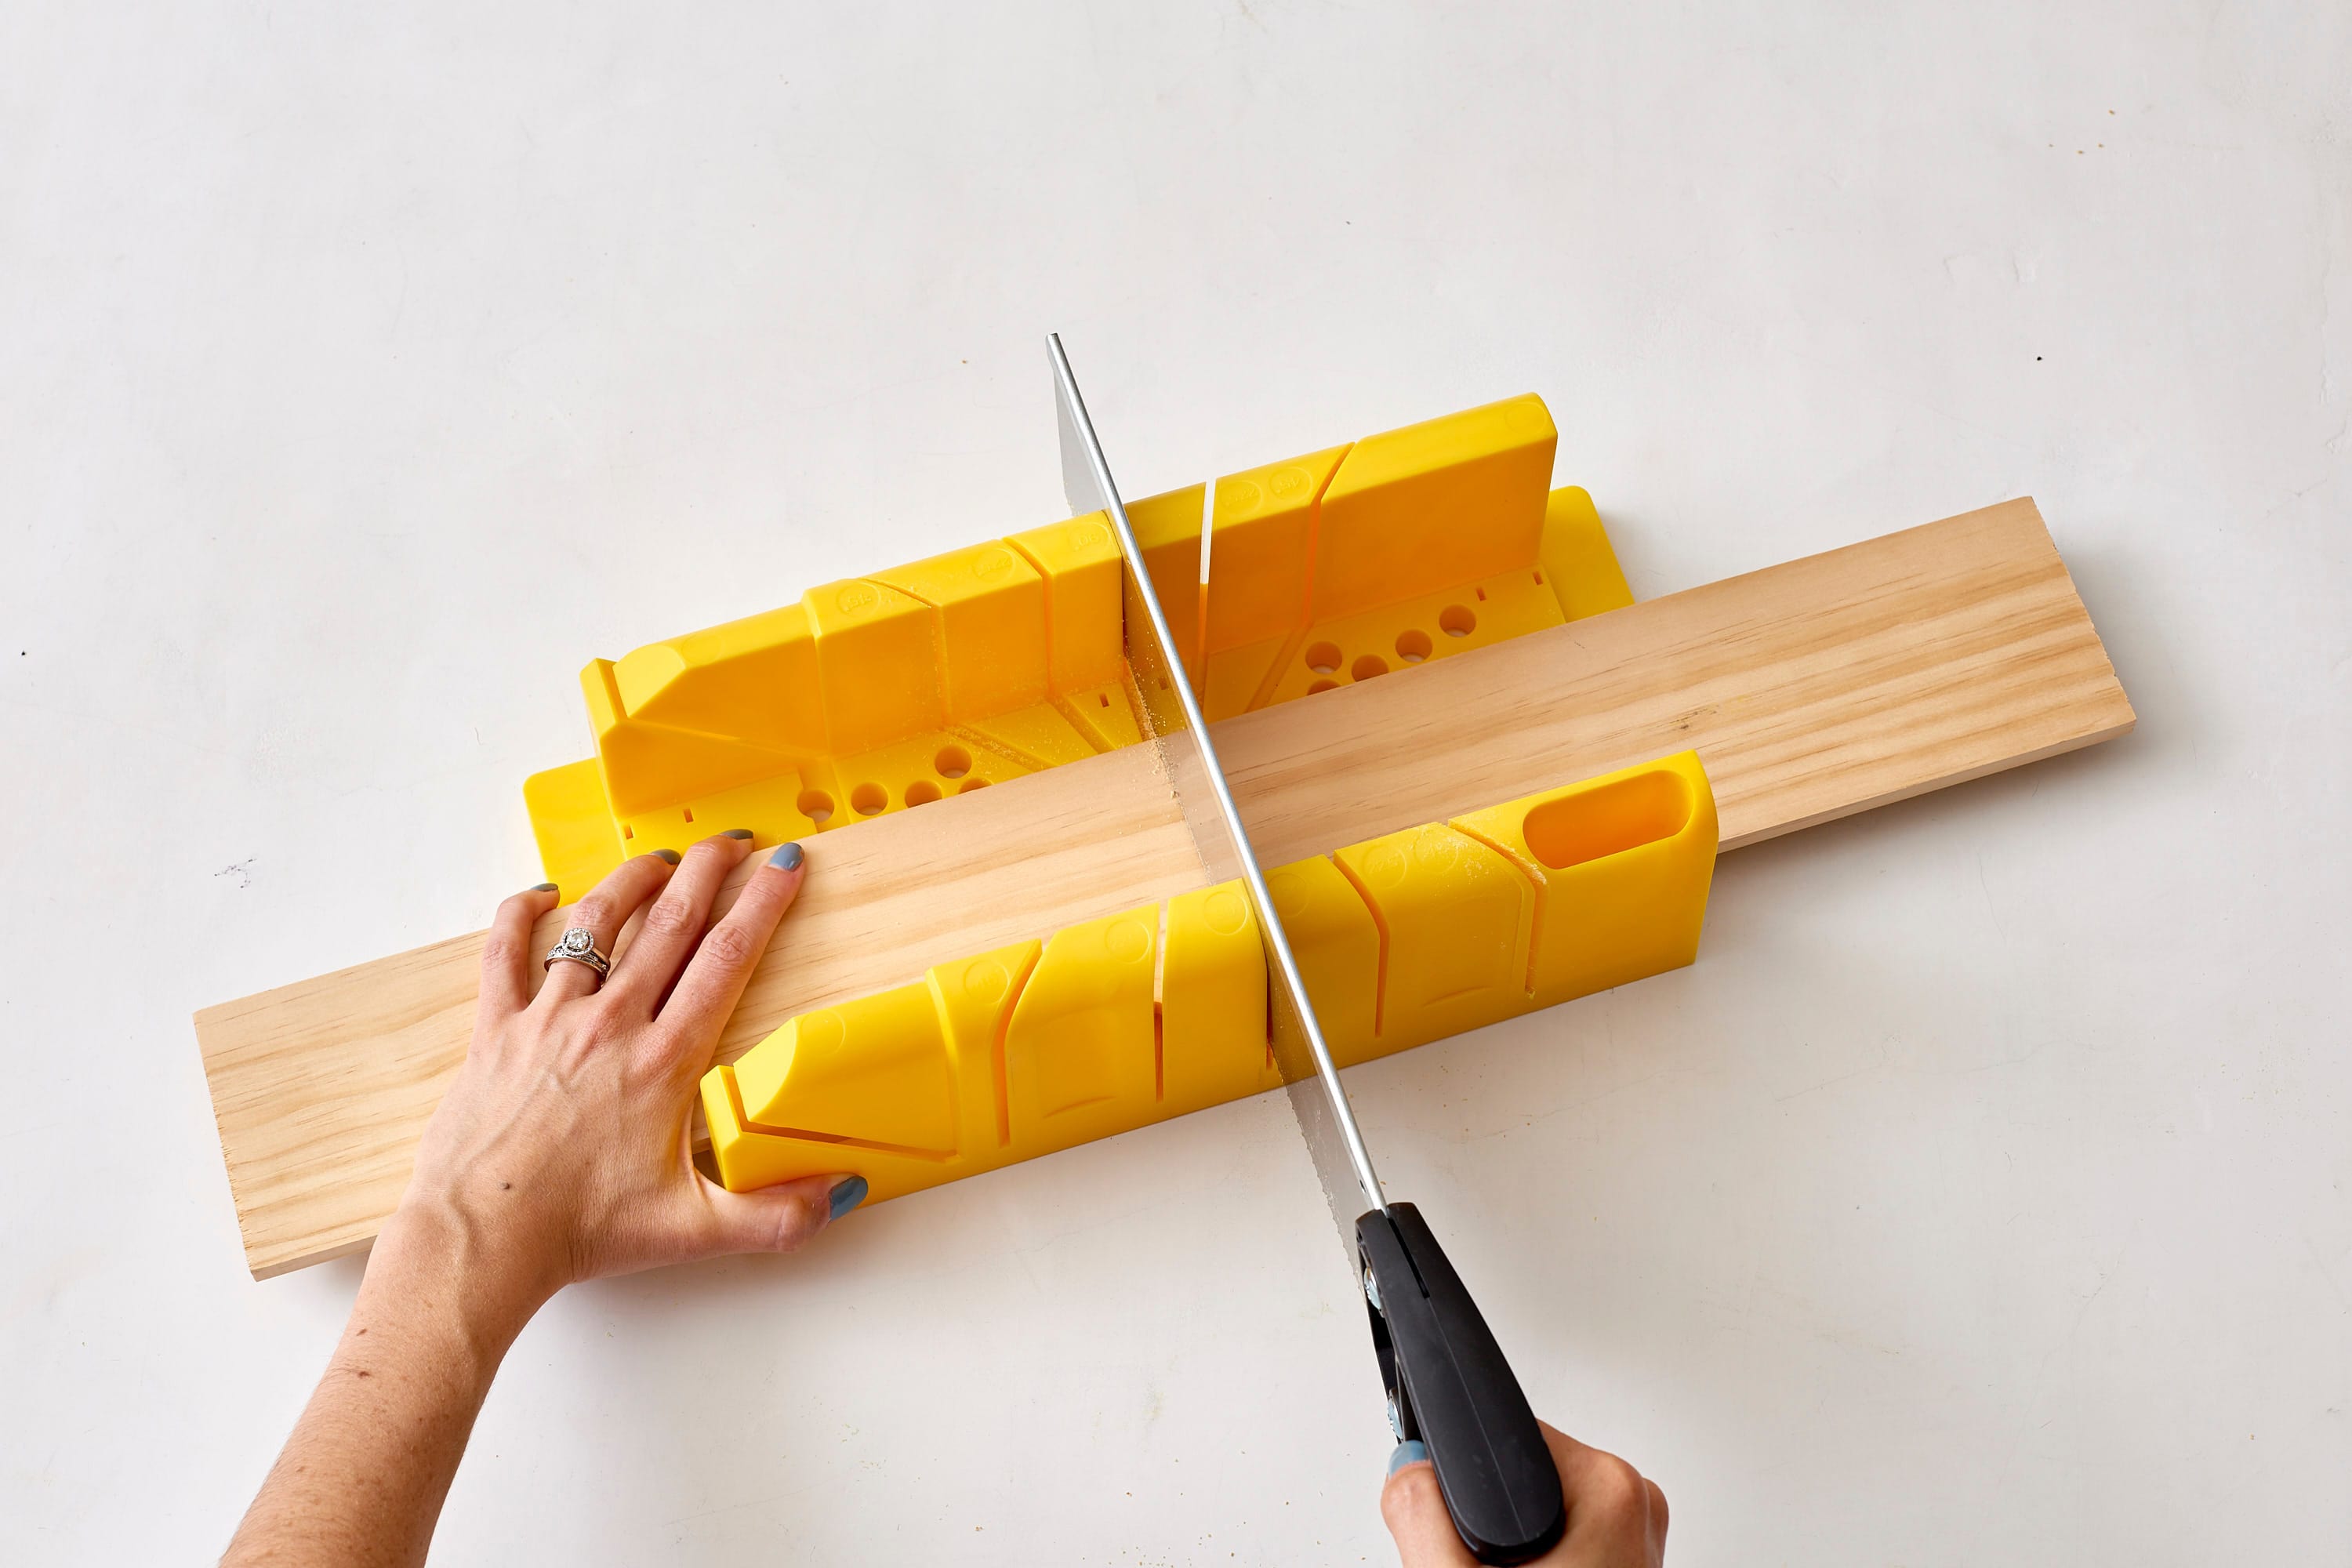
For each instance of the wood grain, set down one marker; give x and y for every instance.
(1812, 690)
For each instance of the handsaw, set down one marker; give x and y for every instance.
(1448, 1384)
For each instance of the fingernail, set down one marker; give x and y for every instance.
(668, 855)
(1407, 1454)
(788, 857)
(738, 833)
(544, 888)
(847, 1194)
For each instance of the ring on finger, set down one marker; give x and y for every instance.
(578, 945)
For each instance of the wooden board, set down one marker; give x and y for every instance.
(1812, 690)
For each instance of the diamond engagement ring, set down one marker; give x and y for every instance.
(579, 947)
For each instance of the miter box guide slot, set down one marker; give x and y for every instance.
(893, 691)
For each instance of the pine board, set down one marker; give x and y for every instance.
(1812, 690)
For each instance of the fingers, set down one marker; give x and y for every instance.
(714, 977)
(1615, 1514)
(1414, 1511)
(674, 922)
(607, 907)
(506, 953)
(781, 1218)
(1616, 1518)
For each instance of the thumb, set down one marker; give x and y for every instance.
(781, 1218)
(1414, 1511)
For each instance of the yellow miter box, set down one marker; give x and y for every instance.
(872, 695)
(891, 691)
(1130, 1020)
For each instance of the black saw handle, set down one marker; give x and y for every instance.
(1450, 1387)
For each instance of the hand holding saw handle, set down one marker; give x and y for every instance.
(1448, 1384)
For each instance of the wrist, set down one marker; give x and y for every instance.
(438, 1262)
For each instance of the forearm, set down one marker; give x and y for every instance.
(558, 1154)
(363, 1477)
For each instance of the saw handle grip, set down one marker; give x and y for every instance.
(1450, 1387)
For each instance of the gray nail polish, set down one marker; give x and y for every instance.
(737, 832)
(787, 857)
(847, 1194)
(544, 888)
(668, 855)
(1407, 1454)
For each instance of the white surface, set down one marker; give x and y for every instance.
(1981, 1196)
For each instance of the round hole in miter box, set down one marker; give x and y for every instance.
(1323, 658)
(815, 804)
(1325, 685)
(1368, 666)
(1456, 621)
(954, 762)
(922, 792)
(867, 799)
(1413, 646)
(970, 784)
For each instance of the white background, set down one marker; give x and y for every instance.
(1981, 1196)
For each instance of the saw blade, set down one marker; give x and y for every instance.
(1188, 756)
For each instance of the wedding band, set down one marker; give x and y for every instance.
(578, 946)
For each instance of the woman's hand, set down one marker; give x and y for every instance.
(1616, 1518)
(560, 1152)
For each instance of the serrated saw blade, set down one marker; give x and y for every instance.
(1189, 756)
